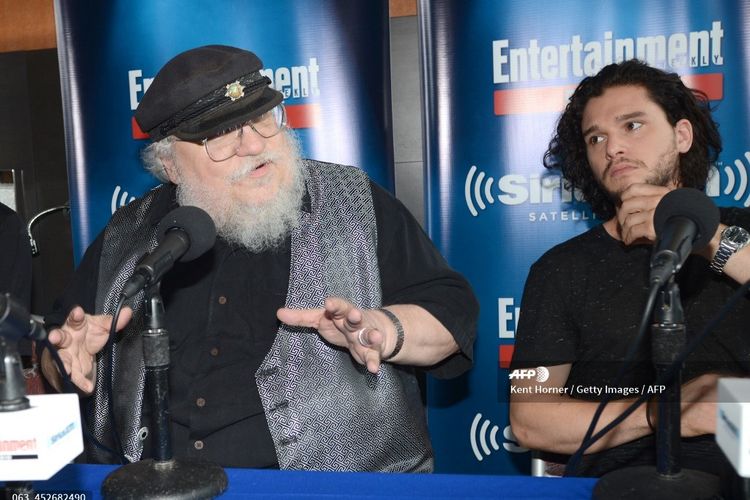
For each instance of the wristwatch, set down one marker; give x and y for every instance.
(733, 238)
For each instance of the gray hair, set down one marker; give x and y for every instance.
(154, 154)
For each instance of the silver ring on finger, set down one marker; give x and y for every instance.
(363, 341)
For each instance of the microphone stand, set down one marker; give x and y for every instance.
(162, 476)
(666, 480)
(13, 398)
(12, 384)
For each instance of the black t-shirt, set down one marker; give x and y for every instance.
(583, 303)
(221, 316)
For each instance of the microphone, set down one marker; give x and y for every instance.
(16, 323)
(184, 234)
(684, 219)
(41, 433)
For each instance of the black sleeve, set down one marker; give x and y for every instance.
(81, 290)
(735, 216)
(412, 271)
(15, 257)
(546, 333)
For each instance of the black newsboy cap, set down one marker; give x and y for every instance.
(205, 91)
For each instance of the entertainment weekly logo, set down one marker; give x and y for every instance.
(537, 64)
(294, 82)
(529, 67)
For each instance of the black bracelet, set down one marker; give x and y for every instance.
(399, 333)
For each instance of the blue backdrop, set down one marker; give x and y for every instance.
(336, 80)
(497, 74)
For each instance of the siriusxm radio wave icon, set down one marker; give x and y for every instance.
(120, 199)
(736, 183)
(477, 189)
(511, 189)
(480, 433)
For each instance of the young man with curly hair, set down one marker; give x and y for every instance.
(629, 135)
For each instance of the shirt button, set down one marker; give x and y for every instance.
(214, 351)
(200, 402)
(198, 445)
(222, 300)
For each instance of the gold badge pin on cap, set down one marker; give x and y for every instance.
(235, 90)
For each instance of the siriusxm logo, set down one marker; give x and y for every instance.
(736, 180)
(120, 198)
(481, 190)
(67, 430)
(483, 438)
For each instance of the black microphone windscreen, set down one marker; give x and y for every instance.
(196, 223)
(691, 204)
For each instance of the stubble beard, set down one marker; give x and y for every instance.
(258, 226)
(665, 172)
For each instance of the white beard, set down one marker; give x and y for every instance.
(257, 227)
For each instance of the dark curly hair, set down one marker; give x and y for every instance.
(567, 149)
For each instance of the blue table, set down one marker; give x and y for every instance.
(248, 483)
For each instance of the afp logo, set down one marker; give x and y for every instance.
(736, 180)
(540, 373)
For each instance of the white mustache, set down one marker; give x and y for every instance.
(250, 164)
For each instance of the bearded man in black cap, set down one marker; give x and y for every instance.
(294, 340)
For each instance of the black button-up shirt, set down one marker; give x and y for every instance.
(221, 316)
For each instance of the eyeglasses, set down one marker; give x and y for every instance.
(224, 146)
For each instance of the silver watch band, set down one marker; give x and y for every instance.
(725, 251)
(733, 239)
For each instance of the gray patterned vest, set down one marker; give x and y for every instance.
(324, 410)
